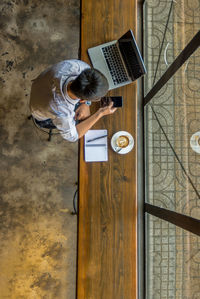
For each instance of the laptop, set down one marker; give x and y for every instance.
(119, 60)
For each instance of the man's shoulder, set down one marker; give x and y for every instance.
(70, 66)
(65, 68)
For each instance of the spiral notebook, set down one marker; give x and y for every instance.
(96, 150)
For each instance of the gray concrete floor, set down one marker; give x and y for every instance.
(37, 230)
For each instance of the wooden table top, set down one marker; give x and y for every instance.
(107, 221)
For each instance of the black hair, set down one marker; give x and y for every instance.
(90, 85)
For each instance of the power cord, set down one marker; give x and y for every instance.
(75, 203)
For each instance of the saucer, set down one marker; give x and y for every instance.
(124, 150)
(194, 142)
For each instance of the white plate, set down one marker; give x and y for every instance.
(194, 142)
(123, 150)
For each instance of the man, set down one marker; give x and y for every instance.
(57, 90)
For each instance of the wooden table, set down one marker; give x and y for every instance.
(107, 222)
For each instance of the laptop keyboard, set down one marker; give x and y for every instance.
(115, 65)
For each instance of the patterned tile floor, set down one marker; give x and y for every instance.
(173, 254)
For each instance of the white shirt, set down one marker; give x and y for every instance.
(49, 98)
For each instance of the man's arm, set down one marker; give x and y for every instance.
(86, 124)
(70, 132)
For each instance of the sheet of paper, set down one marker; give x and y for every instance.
(97, 150)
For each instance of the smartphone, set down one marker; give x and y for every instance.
(118, 101)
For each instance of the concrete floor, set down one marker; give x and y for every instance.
(37, 230)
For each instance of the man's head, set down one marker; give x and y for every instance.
(90, 85)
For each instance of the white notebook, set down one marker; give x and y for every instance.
(96, 150)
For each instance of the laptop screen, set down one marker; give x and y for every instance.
(131, 55)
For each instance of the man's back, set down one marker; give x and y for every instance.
(48, 86)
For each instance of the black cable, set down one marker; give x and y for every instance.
(75, 212)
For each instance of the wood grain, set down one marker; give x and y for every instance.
(107, 227)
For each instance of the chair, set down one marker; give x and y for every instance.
(44, 124)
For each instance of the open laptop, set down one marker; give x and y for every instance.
(120, 60)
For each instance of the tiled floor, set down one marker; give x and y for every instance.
(37, 230)
(173, 114)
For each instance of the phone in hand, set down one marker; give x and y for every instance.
(117, 101)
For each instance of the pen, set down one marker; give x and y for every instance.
(95, 145)
(96, 138)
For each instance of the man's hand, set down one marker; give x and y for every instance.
(107, 110)
(85, 125)
(82, 112)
